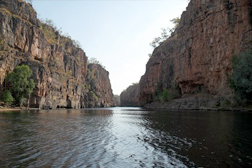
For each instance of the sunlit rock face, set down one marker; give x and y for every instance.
(197, 57)
(99, 87)
(130, 96)
(59, 66)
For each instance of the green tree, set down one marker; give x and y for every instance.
(156, 42)
(165, 95)
(6, 97)
(93, 60)
(173, 92)
(241, 79)
(165, 33)
(21, 85)
(175, 21)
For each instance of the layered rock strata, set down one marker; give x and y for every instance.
(99, 87)
(59, 66)
(130, 97)
(197, 57)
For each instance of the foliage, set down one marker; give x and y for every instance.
(6, 97)
(93, 60)
(76, 43)
(165, 33)
(48, 22)
(29, 1)
(241, 78)
(175, 21)
(49, 34)
(50, 30)
(156, 41)
(22, 101)
(167, 94)
(172, 93)
(94, 96)
(21, 86)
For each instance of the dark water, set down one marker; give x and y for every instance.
(125, 137)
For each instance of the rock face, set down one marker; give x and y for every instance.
(59, 66)
(130, 97)
(116, 100)
(197, 57)
(99, 88)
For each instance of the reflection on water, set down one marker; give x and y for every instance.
(125, 137)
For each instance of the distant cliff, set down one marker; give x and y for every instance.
(196, 60)
(59, 66)
(116, 100)
(130, 97)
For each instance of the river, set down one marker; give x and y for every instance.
(125, 137)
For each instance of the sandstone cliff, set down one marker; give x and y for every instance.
(59, 66)
(130, 97)
(99, 88)
(197, 57)
(116, 100)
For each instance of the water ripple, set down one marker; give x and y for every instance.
(121, 137)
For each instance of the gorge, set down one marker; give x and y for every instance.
(196, 59)
(67, 125)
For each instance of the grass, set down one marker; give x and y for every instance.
(7, 12)
(95, 96)
(49, 34)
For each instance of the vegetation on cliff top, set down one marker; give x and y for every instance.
(166, 33)
(93, 60)
(51, 32)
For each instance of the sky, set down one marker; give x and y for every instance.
(115, 32)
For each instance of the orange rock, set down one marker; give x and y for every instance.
(198, 55)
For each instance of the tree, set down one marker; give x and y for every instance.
(93, 60)
(241, 78)
(21, 86)
(6, 97)
(175, 21)
(165, 33)
(76, 43)
(29, 1)
(156, 41)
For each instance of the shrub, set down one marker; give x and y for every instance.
(241, 78)
(49, 34)
(165, 34)
(94, 96)
(20, 83)
(165, 95)
(6, 97)
(172, 93)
